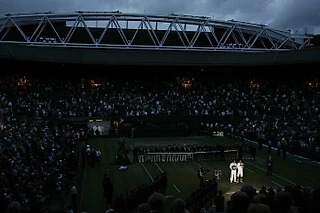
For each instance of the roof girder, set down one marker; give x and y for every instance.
(277, 38)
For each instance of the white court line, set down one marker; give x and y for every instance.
(163, 172)
(131, 147)
(277, 184)
(176, 187)
(273, 174)
(159, 167)
(196, 163)
(249, 170)
(147, 171)
(230, 193)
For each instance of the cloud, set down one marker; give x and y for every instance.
(279, 13)
(298, 14)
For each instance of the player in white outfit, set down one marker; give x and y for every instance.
(233, 174)
(240, 166)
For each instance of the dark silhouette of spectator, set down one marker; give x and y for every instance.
(249, 190)
(269, 165)
(144, 208)
(14, 207)
(253, 152)
(283, 203)
(219, 202)
(239, 202)
(179, 206)
(157, 202)
(74, 195)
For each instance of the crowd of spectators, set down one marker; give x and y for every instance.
(36, 154)
(288, 113)
(293, 199)
(38, 161)
(132, 199)
(290, 199)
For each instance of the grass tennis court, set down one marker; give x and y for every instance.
(182, 176)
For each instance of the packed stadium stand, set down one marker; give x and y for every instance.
(241, 81)
(41, 150)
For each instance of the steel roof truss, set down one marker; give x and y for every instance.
(271, 41)
(260, 39)
(263, 44)
(235, 39)
(242, 36)
(276, 45)
(120, 31)
(226, 35)
(235, 32)
(174, 25)
(11, 24)
(72, 30)
(20, 30)
(54, 29)
(3, 26)
(294, 45)
(42, 21)
(165, 36)
(41, 26)
(149, 29)
(280, 43)
(256, 38)
(213, 34)
(201, 29)
(196, 35)
(306, 43)
(105, 29)
(244, 43)
(7, 30)
(252, 39)
(183, 31)
(81, 20)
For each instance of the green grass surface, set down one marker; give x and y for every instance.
(182, 176)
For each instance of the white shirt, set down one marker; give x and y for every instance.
(233, 166)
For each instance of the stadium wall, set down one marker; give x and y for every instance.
(155, 57)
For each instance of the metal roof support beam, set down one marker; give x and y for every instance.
(151, 31)
(263, 44)
(20, 30)
(105, 29)
(3, 25)
(165, 36)
(7, 30)
(45, 21)
(213, 34)
(120, 31)
(81, 20)
(235, 33)
(54, 29)
(177, 30)
(143, 23)
(226, 35)
(183, 30)
(235, 39)
(256, 38)
(242, 36)
(37, 29)
(196, 35)
(306, 43)
(271, 41)
(72, 30)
